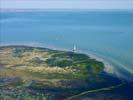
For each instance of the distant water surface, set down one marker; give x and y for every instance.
(106, 33)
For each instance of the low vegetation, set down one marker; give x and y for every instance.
(44, 70)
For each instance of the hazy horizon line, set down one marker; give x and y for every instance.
(71, 10)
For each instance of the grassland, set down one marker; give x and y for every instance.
(31, 73)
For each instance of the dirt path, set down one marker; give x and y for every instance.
(96, 90)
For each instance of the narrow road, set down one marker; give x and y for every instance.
(95, 90)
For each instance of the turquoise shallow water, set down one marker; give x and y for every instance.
(109, 34)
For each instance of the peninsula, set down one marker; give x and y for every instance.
(35, 73)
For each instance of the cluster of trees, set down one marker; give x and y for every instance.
(59, 62)
(17, 52)
(37, 61)
(76, 60)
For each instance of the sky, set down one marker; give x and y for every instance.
(67, 4)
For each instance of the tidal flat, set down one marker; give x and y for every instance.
(35, 73)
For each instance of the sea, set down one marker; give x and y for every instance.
(107, 34)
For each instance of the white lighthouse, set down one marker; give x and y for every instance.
(74, 48)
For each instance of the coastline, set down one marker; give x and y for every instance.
(37, 78)
(109, 67)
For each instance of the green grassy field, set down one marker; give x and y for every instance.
(31, 73)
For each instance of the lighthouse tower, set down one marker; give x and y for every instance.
(74, 48)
